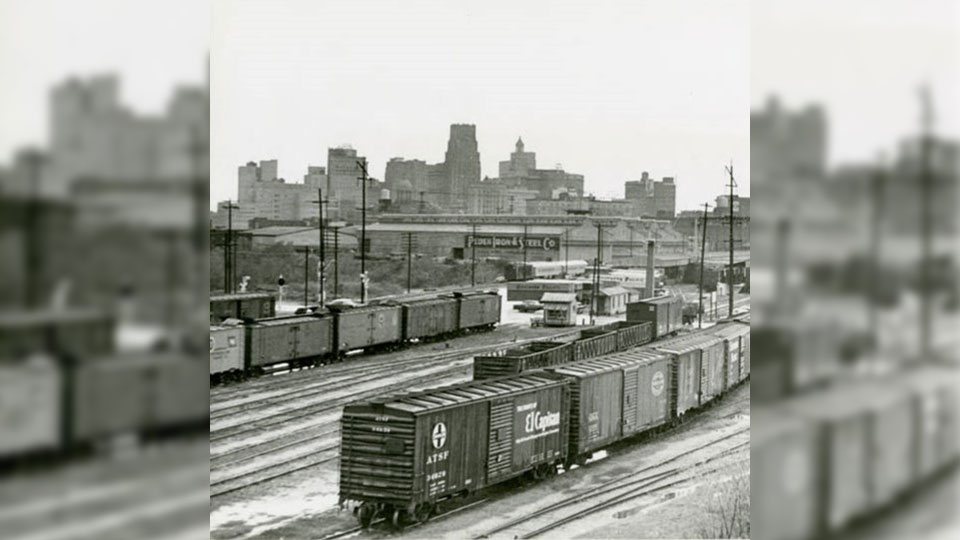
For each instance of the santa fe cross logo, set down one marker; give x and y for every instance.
(439, 435)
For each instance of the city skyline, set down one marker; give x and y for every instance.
(589, 89)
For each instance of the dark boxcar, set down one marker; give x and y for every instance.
(285, 339)
(891, 442)
(843, 426)
(227, 349)
(364, 328)
(596, 406)
(429, 318)
(632, 334)
(650, 389)
(536, 355)
(745, 349)
(686, 372)
(399, 456)
(712, 365)
(785, 484)
(665, 312)
(735, 337)
(479, 310)
(593, 344)
(30, 406)
(250, 305)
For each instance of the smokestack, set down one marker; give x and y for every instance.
(651, 286)
(781, 268)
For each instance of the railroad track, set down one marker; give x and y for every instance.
(636, 484)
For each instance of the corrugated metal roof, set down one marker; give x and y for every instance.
(685, 344)
(558, 298)
(613, 362)
(454, 228)
(283, 321)
(613, 291)
(730, 329)
(280, 230)
(437, 398)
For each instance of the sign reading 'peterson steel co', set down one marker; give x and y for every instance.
(546, 243)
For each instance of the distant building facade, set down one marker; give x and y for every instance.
(263, 195)
(787, 145)
(653, 198)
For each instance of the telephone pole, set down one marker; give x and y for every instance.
(229, 258)
(306, 276)
(473, 257)
(363, 233)
(731, 185)
(321, 269)
(409, 253)
(703, 249)
(926, 224)
(594, 297)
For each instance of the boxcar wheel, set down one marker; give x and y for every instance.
(396, 519)
(365, 516)
(424, 511)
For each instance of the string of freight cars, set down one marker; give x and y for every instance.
(401, 456)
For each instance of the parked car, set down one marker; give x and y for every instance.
(528, 306)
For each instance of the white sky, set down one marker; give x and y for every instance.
(608, 89)
(153, 45)
(863, 60)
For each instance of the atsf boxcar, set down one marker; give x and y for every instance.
(288, 339)
(227, 350)
(367, 328)
(536, 355)
(400, 456)
(665, 312)
(479, 310)
(686, 359)
(252, 305)
(430, 318)
(30, 406)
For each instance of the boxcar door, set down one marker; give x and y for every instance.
(294, 342)
(630, 398)
(500, 453)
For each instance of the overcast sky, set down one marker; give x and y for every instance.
(863, 60)
(153, 45)
(607, 89)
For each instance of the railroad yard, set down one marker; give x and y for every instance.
(275, 442)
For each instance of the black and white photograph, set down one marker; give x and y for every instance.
(480, 270)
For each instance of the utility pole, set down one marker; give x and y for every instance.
(566, 253)
(306, 276)
(731, 185)
(320, 269)
(473, 257)
(363, 233)
(524, 251)
(229, 255)
(336, 261)
(703, 249)
(875, 259)
(926, 225)
(594, 297)
(409, 253)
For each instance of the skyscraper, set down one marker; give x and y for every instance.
(462, 162)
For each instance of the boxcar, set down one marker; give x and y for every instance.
(615, 397)
(400, 456)
(794, 357)
(686, 359)
(536, 355)
(369, 327)
(594, 343)
(665, 312)
(478, 310)
(785, 484)
(891, 441)
(227, 349)
(288, 339)
(736, 339)
(252, 305)
(430, 318)
(74, 333)
(30, 406)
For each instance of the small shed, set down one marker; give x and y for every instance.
(559, 309)
(612, 300)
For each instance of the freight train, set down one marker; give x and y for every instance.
(64, 388)
(243, 306)
(247, 348)
(401, 456)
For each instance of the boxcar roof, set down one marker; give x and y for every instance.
(685, 344)
(730, 329)
(438, 398)
(281, 321)
(29, 317)
(240, 296)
